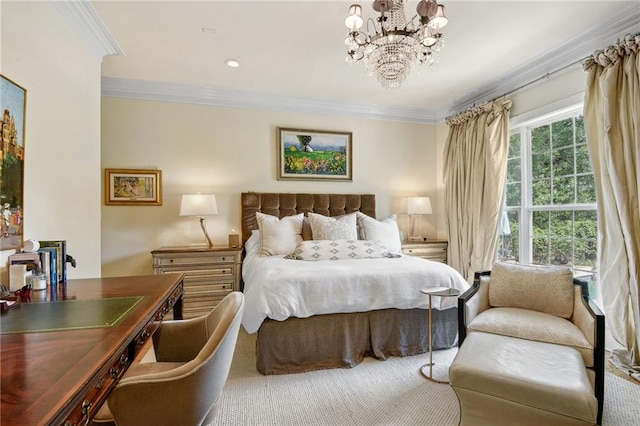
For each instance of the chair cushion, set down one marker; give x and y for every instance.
(548, 290)
(533, 325)
(138, 369)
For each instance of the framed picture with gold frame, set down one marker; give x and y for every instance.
(133, 187)
(314, 155)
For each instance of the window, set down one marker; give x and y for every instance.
(550, 215)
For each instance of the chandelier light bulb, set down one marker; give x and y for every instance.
(428, 39)
(354, 20)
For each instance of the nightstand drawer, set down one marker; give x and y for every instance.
(431, 250)
(195, 276)
(196, 259)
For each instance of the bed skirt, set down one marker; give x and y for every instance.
(297, 345)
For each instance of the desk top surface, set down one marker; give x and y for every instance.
(41, 371)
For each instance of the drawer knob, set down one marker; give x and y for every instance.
(86, 407)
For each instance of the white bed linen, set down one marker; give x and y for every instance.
(279, 288)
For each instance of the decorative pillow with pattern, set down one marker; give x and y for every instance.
(339, 250)
(385, 231)
(279, 236)
(333, 228)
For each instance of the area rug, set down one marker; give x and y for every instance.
(391, 392)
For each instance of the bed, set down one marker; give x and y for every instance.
(311, 315)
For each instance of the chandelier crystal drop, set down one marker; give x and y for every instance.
(391, 45)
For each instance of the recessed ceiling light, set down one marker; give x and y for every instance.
(232, 63)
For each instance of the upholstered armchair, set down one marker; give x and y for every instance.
(183, 386)
(539, 304)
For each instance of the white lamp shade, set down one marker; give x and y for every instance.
(198, 205)
(419, 205)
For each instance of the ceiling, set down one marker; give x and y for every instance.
(293, 51)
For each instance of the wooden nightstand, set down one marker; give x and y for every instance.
(430, 249)
(210, 274)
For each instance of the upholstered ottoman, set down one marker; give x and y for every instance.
(503, 380)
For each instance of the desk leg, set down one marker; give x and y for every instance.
(177, 309)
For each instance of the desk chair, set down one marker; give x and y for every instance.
(184, 385)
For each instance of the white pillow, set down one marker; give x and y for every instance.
(385, 231)
(253, 243)
(279, 236)
(333, 228)
(339, 250)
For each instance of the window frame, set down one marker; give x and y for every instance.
(522, 125)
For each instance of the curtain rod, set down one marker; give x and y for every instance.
(547, 75)
(522, 86)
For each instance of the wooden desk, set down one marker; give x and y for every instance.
(63, 377)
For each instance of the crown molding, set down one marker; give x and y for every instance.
(569, 53)
(84, 19)
(183, 93)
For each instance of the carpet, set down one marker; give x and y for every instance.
(391, 392)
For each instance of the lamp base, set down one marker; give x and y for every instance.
(206, 234)
(199, 235)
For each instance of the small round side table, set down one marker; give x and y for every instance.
(440, 292)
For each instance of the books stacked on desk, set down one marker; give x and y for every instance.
(55, 251)
(49, 259)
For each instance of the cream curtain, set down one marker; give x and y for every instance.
(475, 165)
(612, 122)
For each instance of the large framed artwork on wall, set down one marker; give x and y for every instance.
(314, 155)
(13, 105)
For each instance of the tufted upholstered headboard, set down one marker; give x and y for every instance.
(287, 204)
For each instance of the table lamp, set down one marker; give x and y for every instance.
(417, 206)
(199, 205)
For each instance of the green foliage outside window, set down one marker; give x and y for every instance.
(561, 175)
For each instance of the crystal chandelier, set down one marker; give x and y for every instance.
(395, 45)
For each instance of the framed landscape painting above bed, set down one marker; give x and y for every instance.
(314, 155)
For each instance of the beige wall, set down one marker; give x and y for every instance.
(556, 88)
(227, 151)
(62, 148)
